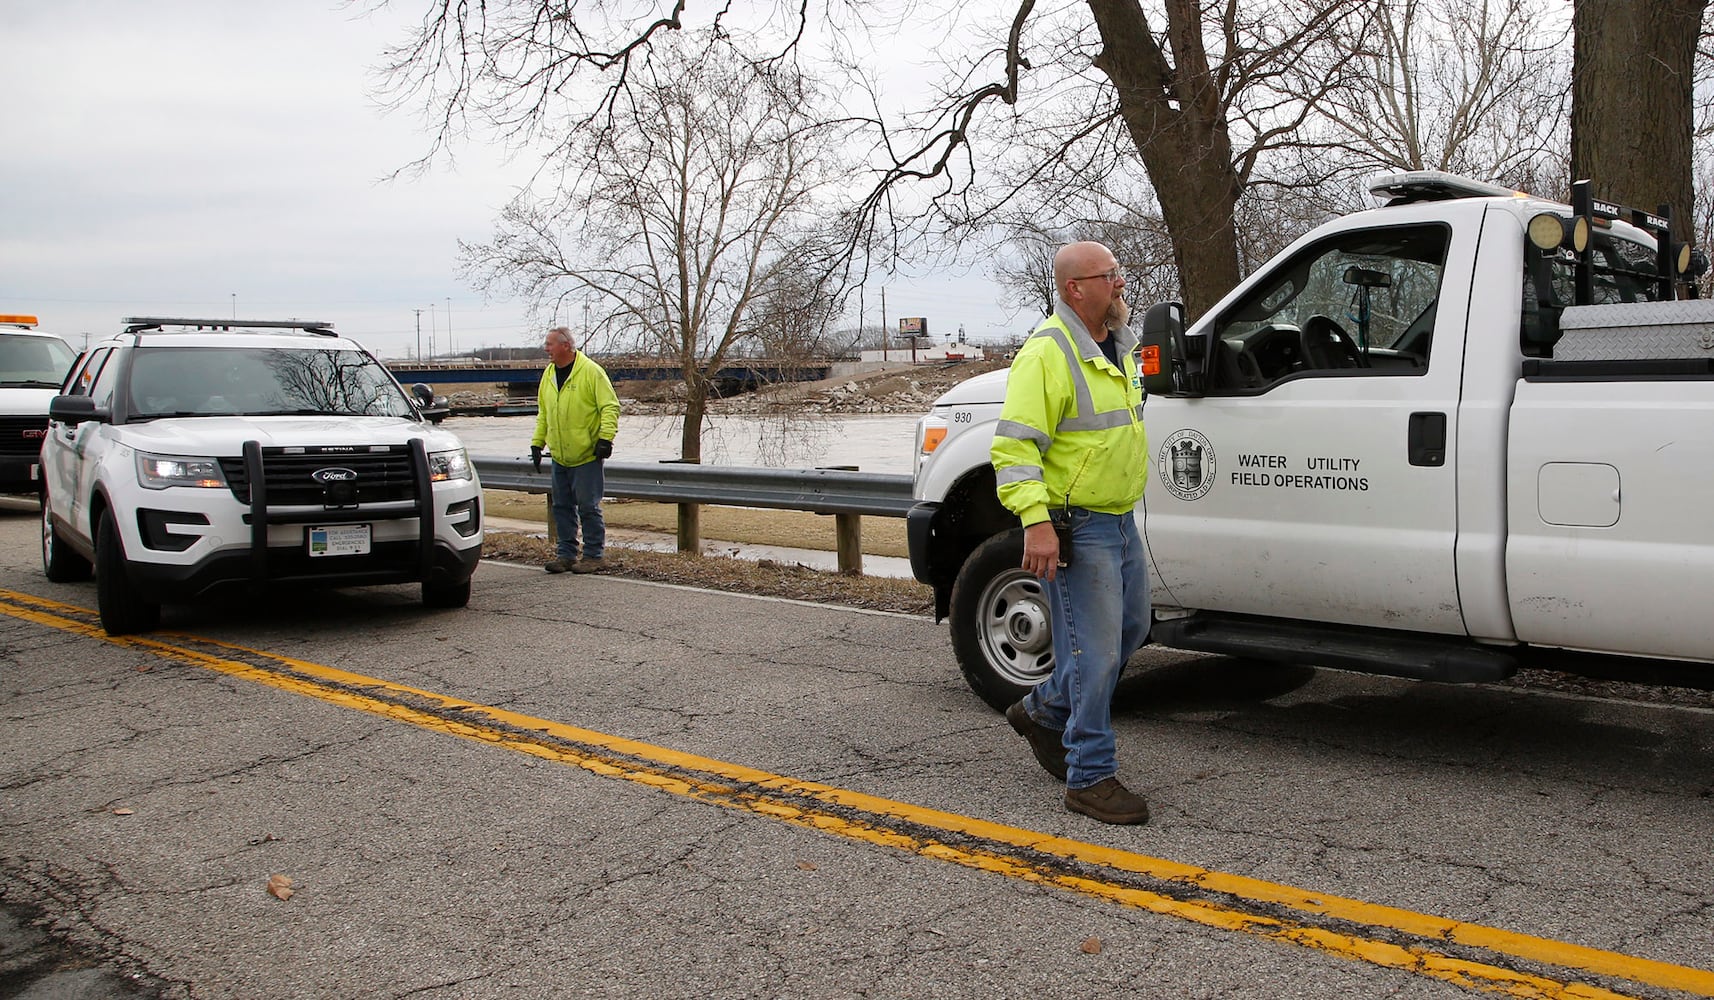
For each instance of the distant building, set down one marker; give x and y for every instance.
(956, 350)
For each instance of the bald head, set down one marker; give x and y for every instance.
(1090, 283)
(1077, 260)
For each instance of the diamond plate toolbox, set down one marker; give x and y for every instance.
(1631, 331)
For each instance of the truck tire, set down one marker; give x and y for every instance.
(1002, 632)
(59, 562)
(123, 609)
(446, 595)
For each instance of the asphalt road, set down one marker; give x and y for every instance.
(589, 786)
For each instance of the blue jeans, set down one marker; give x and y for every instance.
(577, 491)
(1100, 607)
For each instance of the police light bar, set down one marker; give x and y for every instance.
(17, 319)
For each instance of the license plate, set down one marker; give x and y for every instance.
(339, 540)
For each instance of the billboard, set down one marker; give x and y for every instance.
(913, 326)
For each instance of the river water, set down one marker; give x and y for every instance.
(873, 442)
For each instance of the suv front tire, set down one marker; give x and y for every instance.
(123, 608)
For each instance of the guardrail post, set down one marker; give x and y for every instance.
(848, 530)
(847, 533)
(689, 515)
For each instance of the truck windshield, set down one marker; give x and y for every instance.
(239, 381)
(34, 361)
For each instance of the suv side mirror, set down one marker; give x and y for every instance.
(76, 410)
(1167, 367)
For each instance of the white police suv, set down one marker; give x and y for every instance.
(32, 366)
(190, 455)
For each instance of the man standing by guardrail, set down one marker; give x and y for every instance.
(577, 417)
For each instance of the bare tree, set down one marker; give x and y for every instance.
(1203, 90)
(1024, 270)
(1135, 232)
(1475, 87)
(709, 188)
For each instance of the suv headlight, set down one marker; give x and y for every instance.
(159, 472)
(445, 465)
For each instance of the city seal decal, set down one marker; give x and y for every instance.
(1187, 464)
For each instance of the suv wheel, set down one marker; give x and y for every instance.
(1002, 630)
(123, 609)
(59, 562)
(446, 595)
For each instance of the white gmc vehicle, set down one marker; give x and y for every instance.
(1439, 439)
(32, 366)
(187, 455)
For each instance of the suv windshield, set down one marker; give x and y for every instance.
(249, 381)
(34, 361)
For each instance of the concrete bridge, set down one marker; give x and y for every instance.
(745, 373)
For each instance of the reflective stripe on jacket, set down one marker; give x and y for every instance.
(572, 417)
(1071, 429)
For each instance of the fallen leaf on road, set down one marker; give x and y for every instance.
(807, 866)
(124, 811)
(1092, 946)
(279, 887)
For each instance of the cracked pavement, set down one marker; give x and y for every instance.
(145, 802)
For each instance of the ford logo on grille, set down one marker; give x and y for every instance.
(327, 477)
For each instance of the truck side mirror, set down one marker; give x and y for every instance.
(1164, 353)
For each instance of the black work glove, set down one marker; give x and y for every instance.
(603, 449)
(536, 457)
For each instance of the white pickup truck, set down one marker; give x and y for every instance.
(1439, 439)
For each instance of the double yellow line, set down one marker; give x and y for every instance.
(1470, 955)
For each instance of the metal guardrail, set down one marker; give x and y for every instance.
(822, 491)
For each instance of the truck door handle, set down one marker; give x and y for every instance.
(1427, 444)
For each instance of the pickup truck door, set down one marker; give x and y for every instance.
(1315, 480)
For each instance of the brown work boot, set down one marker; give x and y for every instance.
(588, 565)
(1109, 802)
(1047, 744)
(560, 565)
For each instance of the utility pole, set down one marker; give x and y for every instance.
(449, 325)
(431, 333)
(419, 313)
(884, 358)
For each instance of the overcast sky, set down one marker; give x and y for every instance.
(200, 157)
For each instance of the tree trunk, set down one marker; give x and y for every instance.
(695, 407)
(690, 451)
(1174, 116)
(1631, 101)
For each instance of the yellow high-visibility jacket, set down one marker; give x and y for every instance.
(1071, 429)
(572, 417)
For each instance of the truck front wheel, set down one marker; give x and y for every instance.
(1002, 632)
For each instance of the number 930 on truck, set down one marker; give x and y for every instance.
(1464, 432)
